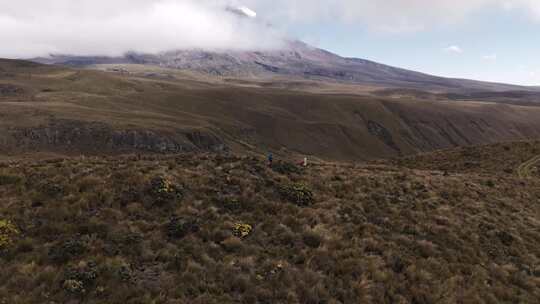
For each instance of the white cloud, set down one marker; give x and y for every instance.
(531, 7)
(112, 27)
(453, 49)
(31, 28)
(490, 57)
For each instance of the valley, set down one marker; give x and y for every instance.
(72, 111)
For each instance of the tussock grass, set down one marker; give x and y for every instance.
(224, 231)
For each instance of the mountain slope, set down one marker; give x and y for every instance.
(295, 60)
(54, 109)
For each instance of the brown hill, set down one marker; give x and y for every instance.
(69, 111)
(211, 229)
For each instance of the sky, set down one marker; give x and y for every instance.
(493, 40)
(497, 41)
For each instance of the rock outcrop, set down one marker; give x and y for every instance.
(99, 137)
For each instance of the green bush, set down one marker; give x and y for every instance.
(164, 191)
(8, 232)
(9, 180)
(125, 274)
(87, 274)
(298, 194)
(230, 204)
(67, 250)
(80, 279)
(51, 190)
(242, 230)
(74, 286)
(286, 168)
(178, 228)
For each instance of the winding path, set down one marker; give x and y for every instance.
(525, 169)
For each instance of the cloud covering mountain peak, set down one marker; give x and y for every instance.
(111, 28)
(30, 28)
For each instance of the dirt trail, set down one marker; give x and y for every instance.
(525, 169)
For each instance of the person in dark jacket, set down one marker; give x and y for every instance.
(270, 159)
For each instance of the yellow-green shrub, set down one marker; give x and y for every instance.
(8, 232)
(298, 194)
(164, 191)
(242, 230)
(74, 286)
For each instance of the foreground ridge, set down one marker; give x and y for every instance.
(230, 229)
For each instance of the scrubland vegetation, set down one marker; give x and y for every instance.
(502, 158)
(226, 229)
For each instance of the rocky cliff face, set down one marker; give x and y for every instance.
(10, 90)
(77, 136)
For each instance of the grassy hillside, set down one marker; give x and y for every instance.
(225, 229)
(65, 111)
(503, 158)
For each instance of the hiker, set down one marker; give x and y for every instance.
(270, 159)
(305, 162)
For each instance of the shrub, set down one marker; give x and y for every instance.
(86, 274)
(51, 190)
(9, 180)
(125, 274)
(8, 232)
(298, 194)
(242, 230)
(77, 280)
(312, 239)
(125, 242)
(74, 286)
(67, 250)
(231, 204)
(178, 228)
(286, 168)
(128, 195)
(232, 244)
(164, 191)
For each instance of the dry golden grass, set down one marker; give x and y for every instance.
(156, 229)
